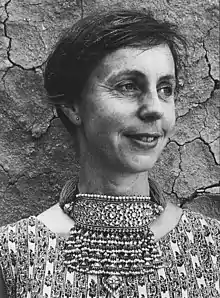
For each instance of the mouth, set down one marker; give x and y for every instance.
(145, 137)
(145, 140)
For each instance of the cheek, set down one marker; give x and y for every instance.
(100, 120)
(169, 120)
(106, 111)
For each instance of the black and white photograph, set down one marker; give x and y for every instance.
(109, 149)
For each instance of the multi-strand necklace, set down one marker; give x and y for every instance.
(111, 236)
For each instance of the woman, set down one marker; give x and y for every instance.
(113, 78)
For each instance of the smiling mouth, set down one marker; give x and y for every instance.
(145, 138)
(145, 141)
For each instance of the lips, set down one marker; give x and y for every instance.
(145, 137)
(144, 141)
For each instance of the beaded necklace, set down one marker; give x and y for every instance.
(111, 236)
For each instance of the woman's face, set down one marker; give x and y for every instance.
(127, 108)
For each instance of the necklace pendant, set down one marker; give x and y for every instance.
(112, 283)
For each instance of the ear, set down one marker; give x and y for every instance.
(72, 113)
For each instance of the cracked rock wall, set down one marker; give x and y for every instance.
(36, 153)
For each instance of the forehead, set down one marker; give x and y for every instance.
(156, 61)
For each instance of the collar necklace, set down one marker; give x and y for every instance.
(111, 236)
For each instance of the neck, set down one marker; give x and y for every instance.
(98, 180)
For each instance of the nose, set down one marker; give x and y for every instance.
(151, 108)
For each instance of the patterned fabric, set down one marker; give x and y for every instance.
(31, 259)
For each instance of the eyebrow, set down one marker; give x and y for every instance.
(126, 72)
(137, 73)
(167, 78)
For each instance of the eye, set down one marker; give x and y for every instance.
(127, 87)
(165, 91)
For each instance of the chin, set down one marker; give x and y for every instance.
(136, 164)
(142, 162)
(145, 164)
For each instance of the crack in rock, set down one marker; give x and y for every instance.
(199, 191)
(35, 134)
(4, 169)
(6, 33)
(210, 150)
(216, 81)
(201, 139)
(80, 3)
(180, 169)
(10, 41)
(214, 140)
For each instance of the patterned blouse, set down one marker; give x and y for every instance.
(31, 259)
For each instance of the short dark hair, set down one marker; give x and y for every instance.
(89, 40)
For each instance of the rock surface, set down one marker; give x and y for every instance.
(37, 155)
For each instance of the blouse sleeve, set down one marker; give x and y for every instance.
(8, 257)
(214, 227)
(207, 235)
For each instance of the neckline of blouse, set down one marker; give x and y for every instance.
(64, 236)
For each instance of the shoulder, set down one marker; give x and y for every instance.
(195, 216)
(51, 221)
(15, 234)
(202, 224)
(18, 242)
(17, 227)
(18, 235)
(13, 237)
(9, 233)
